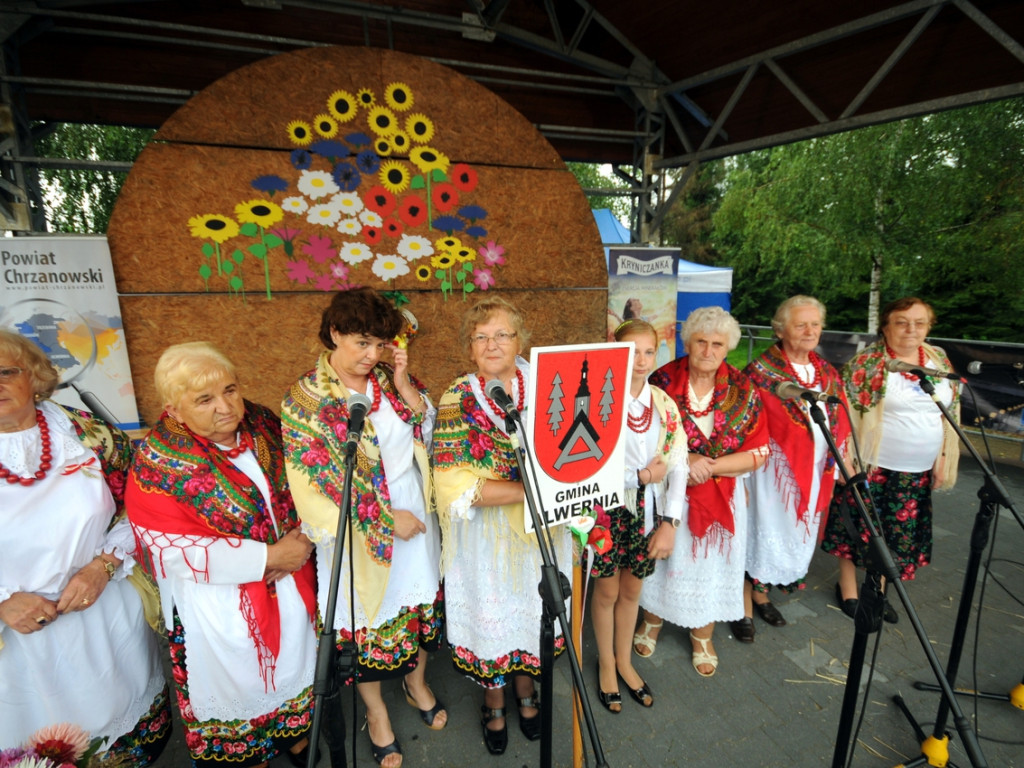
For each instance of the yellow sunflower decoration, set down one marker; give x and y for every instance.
(382, 121)
(449, 244)
(398, 96)
(442, 261)
(465, 254)
(428, 159)
(342, 105)
(366, 98)
(213, 226)
(419, 127)
(325, 125)
(423, 273)
(394, 176)
(300, 132)
(382, 146)
(261, 212)
(400, 142)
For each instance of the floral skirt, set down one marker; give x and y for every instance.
(495, 673)
(242, 742)
(146, 741)
(392, 649)
(904, 504)
(629, 546)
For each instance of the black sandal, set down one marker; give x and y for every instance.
(427, 715)
(496, 741)
(530, 726)
(610, 700)
(379, 753)
(642, 695)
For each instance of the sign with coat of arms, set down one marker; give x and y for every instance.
(576, 426)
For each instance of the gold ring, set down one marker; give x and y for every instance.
(85, 601)
(41, 621)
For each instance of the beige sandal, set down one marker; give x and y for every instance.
(702, 657)
(643, 643)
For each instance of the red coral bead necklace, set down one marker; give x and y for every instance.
(45, 456)
(520, 401)
(920, 361)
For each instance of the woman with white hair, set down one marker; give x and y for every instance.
(790, 494)
(209, 501)
(701, 583)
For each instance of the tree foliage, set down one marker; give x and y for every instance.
(82, 200)
(930, 206)
(591, 176)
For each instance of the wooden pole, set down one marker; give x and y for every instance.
(578, 598)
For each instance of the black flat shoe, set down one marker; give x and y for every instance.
(743, 630)
(609, 700)
(642, 695)
(889, 614)
(496, 741)
(770, 614)
(849, 607)
(530, 726)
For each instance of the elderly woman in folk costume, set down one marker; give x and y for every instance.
(908, 447)
(790, 494)
(644, 529)
(209, 503)
(74, 643)
(394, 547)
(492, 566)
(702, 581)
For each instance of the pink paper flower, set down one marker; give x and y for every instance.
(492, 254)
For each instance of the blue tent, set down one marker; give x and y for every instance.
(611, 229)
(698, 285)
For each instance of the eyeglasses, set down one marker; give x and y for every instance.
(10, 374)
(917, 325)
(501, 338)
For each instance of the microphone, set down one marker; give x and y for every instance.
(787, 390)
(976, 366)
(496, 391)
(898, 366)
(358, 406)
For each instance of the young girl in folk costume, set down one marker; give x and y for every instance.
(644, 529)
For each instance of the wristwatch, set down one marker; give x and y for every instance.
(675, 522)
(109, 567)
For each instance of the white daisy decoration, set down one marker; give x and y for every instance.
(388, 267)
(348, 203)
(350, 226)
(370, 218)
(414, 247)
(316, 184)
(323, 213)
(294, 204)
(354, 253)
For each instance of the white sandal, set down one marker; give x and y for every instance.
(702, 656)
(643, 639)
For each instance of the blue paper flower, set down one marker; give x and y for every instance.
(270, 183)
(448, 224)
(301, 159)
(347, 177)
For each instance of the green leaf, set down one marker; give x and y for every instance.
(440, 274)
(236, 282)
(469, 288)
(249, 229)
(438, 175)
(259, 250)
(289, 247)
(205, 272)
(208, 250)
(417, 182)
(272, 241)
(446, 285)
(460, 277)
(228, 267)
(238, 256)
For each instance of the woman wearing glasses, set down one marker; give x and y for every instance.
(491, 565)
(906, 445)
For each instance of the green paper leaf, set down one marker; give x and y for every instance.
(417, 182)
(438, 175)
(446, 285)
(249, 229)
(272, 241)
(289, 247)
(259, 250)
(228, 267)
(236, 282)
(205, 271)
(208, 250)
(460, 276)
(469, 287)
(439, 274)
(238, 256)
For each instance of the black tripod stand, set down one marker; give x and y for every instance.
(935, 748)
(868, 619)
(553, 589)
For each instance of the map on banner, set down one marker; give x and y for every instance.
(576, 426)
(59, 292)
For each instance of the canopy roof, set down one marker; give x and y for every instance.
(662, 82)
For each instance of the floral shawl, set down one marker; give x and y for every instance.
(738, 426)
(791, 429)
(671, 449)
(188, 489)
(314, 417)
(864, 375)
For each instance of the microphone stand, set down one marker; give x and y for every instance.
(553, 588)
(992, 494)
(868, 618)
(330, 670)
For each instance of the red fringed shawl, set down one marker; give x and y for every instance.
(738, 426)
(185, 487)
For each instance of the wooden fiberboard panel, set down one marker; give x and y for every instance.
(318, 170)
(271, 350)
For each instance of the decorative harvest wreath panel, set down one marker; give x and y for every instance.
(323, 169)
